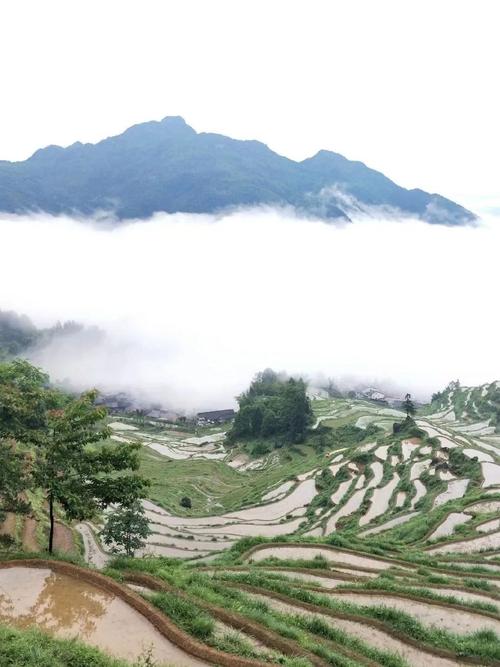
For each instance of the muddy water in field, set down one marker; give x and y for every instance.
(494, 524)
(485, 506)
(491, 473)
(67, 607)
(380, 501)
(252, 529)
(454, 620)
(408, 447)
(373, 637)
(309, 553)
(420, 492)
(389, 524)
(400, 498)
(491, 541)
(341, 491)
(447, 527)
(475, 453)
(352, 505)
(281, 489)
(418, 468)
(466, 596)
(456, 489)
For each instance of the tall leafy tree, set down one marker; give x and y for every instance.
(297, 410)
(273, 406)
(409, 406)
(126, 529)
(14, 478)
(53, 441)
(77, 471)
(25, 398)
(24, 401)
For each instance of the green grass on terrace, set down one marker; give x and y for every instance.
(214, 487)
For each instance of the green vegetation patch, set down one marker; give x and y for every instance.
(482, 644)
(32, 648)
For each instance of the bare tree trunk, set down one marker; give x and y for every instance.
(51, 516)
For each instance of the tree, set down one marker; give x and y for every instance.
(24, 400)
(273, 406)
(126, 528)
(78, 472)
(53, 441)
(14, 478)
(297, 411)
(408, 406)
(186, 502)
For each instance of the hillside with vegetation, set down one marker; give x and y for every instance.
(470, 403)
(19, 336)
(357, 534)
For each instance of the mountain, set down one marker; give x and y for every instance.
(168, 166)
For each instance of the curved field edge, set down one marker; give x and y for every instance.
(399, 625)
(262, 623)
(163, 624)
(477, 648)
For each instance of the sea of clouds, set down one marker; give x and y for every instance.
(193, 306)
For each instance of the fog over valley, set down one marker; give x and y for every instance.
(192, 306)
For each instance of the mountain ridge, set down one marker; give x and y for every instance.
(167, 166)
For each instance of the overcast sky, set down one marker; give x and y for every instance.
(410, 88)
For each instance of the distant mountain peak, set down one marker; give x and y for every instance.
(175, 120)
(167, 166)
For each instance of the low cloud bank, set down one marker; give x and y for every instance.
(192, 306)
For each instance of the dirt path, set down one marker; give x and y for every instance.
(30, 541)
(63, 539)
(379, 639)
(94, 555)
(434, 615)
(8, 527)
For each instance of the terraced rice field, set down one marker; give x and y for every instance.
(386, 486)
(326, 605)
(360, 547)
